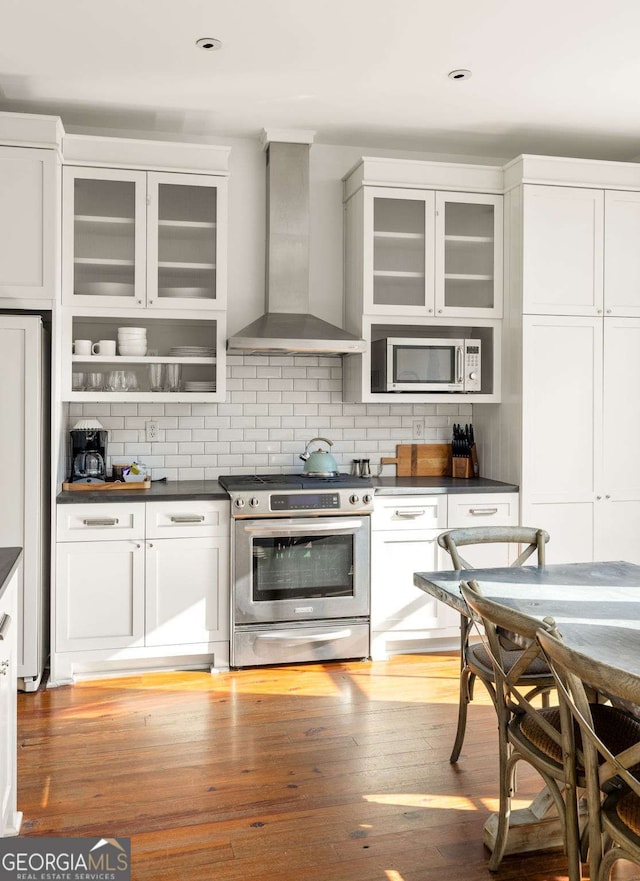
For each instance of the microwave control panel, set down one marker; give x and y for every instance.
(472, 375)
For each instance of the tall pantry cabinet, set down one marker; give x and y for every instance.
(571, 349)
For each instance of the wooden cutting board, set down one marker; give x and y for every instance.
(105, 487)
(421, 460)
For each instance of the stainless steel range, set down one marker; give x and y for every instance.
(300, 568)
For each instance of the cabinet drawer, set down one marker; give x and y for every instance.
(480, 509)
(100, 522)
(409, 512)
(187, 519)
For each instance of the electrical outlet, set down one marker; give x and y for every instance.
(151, 431)
(418, 429)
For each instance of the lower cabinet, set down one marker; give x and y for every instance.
(10, 818)
(404, 532)
(159, 598)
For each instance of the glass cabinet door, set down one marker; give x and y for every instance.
(468, 254)
(401, 257)
(103, 237)
(184, 245)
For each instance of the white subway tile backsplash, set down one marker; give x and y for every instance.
(275, 405)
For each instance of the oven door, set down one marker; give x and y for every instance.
(301, 569)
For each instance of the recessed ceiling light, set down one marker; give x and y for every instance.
(460, 74)
(209, 43)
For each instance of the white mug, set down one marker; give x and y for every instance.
(104, 347)
(82, 347)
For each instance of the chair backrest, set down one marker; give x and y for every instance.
(495, 618)
(535, 539)
(576, 675)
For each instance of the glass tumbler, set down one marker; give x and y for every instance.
(156, 377)
(95, 382)
(173, 377)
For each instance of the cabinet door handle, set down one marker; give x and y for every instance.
(482, 512)
(100, 521)
(4, 627)
(411, 512)
(187, 518)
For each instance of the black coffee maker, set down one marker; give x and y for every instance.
(88, 452)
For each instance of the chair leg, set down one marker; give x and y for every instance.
(467, 679)
(507, 764)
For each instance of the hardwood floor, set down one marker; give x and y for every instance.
(303, 773)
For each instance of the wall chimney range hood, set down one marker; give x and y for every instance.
(287, 327)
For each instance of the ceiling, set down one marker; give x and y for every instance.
(556, 76)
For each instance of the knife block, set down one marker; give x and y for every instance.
(461, 467)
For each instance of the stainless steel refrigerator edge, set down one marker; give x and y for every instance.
(24, 454)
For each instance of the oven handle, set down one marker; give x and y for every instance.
(304, 637)
(305, 528)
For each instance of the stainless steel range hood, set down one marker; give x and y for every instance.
(288, 326)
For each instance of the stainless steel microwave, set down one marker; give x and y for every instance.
(399, 364)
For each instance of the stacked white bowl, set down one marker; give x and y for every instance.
(132, 341)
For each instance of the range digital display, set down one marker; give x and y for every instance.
(304, 501)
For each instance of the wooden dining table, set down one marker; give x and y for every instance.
(596, 607)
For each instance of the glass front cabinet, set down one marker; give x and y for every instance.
(143, 239)
(431, 254)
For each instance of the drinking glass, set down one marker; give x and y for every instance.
(131, 380)
(117, 381)
(173, 377)
(156, 377)
(77, 382)
(95, 382)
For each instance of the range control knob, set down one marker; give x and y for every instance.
(354, 499)
(367, 499)
(239, 503)
(254, 502)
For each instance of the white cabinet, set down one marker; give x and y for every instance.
(134, 238)
(10, 817)
(579, 251)
(99, 595)
(193, 344)
(484, 509)
(403, 541)
(423, 258)
(562, 250)
(187, 545)
(29, 229)
(140, 582)
(425, 253)
(621, 253)
(577, 483)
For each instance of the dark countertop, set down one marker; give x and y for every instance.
(397, 486)
(160, 491)
(9, 559)
(188, 490)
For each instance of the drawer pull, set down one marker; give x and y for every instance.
(411, 512)
(482, 512)
(100, 521)
(4, 627)
(187, 518)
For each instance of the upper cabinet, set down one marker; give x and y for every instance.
(143, 239)
(427, 253)
(580, 252)
(30, 163)
(562, 252)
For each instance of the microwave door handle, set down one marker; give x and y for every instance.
(459, 364)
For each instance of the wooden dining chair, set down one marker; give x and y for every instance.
(474, 661)
(525, 732)
(607, 739)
